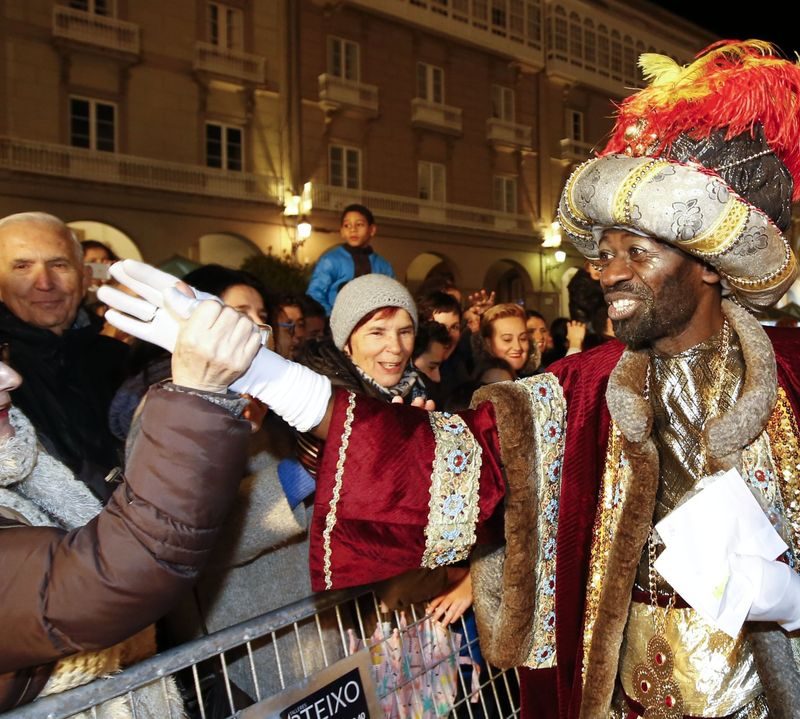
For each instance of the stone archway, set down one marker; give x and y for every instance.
(225, 248)
(509, 280)
(426, 270)
(568, 274)
(116, 240)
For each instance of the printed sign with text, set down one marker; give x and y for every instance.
(345, 690)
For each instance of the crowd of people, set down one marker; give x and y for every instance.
(81, 411)
(532, 497)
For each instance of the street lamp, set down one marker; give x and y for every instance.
(552, 235)
(298, 208)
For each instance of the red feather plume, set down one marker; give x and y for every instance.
(731, 85)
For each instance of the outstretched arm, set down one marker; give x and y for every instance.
(98, 584)
(292, 391)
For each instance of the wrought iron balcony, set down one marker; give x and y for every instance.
(508, 136)
(575, 151)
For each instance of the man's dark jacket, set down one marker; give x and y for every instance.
(68, 383)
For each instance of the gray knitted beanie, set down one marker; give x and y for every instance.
(361, 296)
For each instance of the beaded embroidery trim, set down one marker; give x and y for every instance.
(783, 435)
(771, 279)
(330, 519)
(621, 202)
(574, 212)
(616, 476)
(453, 506)
(721, 236)
(549, 418)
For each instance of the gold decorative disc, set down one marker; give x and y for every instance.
(654, 686)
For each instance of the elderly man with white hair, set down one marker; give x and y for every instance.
(71, 370)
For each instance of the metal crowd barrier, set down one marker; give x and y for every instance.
(420, 671)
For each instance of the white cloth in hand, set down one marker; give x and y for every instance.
(701, 536)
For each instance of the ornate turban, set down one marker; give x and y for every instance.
(706, 158)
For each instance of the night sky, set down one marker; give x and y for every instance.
(722, 19)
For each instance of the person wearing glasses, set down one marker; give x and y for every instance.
(290, 330)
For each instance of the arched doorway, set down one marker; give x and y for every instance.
(225, 248)
(509, 280)
(569, 273)
(119, 243)
(428, 271)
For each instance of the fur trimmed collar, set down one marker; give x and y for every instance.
(727, 434)
(37, 486)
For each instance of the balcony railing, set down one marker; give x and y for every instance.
(232, 64)
(575, 151)
(98, 30)
(435, 116)
(511, 29)
(399, 207)
(506, 135)
(336, 92)
(130, 171)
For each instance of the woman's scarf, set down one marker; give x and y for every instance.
(410, 384)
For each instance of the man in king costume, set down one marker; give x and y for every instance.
(684, 215)
(551, 485)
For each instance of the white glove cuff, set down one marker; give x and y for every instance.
(292, 391)
(777, 597)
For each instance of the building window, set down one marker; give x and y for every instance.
(534, 24)
(95, 7)
(499, 17)
(575, 38)
(92, 124)
(616, 56)
(343, 59)
(224, 147)
(603, 50)
(344, 167)
(575, 125)
(589, 43)
(430, 83)
(503, 103)
(560, 33)
(432, 181)
(629, 68)
(225, 26)
(505, 194)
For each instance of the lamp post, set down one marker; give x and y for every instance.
(297, 209)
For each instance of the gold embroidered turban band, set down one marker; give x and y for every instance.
(706, 158)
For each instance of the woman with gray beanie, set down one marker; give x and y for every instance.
(373, 324)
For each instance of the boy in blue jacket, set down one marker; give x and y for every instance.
(352, 259)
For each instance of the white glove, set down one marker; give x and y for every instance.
(777, 590)
(146, 318)
(289, 389)
(292, 391)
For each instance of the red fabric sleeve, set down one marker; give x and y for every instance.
(382, 507)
